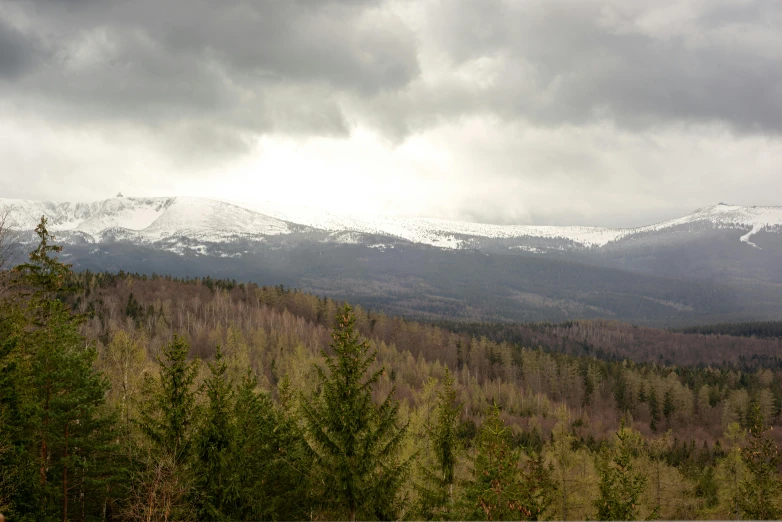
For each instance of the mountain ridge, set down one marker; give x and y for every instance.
(716, 264)
(214, 220)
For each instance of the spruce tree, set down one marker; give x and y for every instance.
(654, 410)
(216, 478)
(62, 439)
(620, 484)
(437, 491)
(356, 443)
(271, 459)
(167, 414)
(500, 488)
(162, 488)
(668, 405)
(759, 494)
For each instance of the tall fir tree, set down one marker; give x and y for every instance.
(271, 458)
(216, 478)
(162, 488)
(437, 491)
(61, 436)
(621, 484)
(654, 411)
(500, 488)
(168, 412)
(760, 493)
(356, 443)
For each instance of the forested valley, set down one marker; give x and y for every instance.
(135, 397)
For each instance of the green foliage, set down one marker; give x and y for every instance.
(759, 493)
(356, 443)
(216, 479)
(437, 490)
(654, 410)
(168, 413)
(58, 446)
(620, 484)
(500, 488)
(201, 442)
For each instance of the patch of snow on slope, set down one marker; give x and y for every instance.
(745, 237)
(207, 220)
(211, 220)
(436, 232)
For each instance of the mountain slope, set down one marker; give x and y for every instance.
(212, 220)
(718, 263)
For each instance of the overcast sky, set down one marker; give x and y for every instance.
(612, 113)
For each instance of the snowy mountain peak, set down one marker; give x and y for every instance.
(149, 218)
(207, 220)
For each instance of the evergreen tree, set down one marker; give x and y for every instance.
(654, 410)
(620, 484)
(216, 479)
(437, 492)
(539, 486)
(500, 489)
(60, 438)
(272, 460)
(668, 405)
(162, 488)
(759, 493)
(167, 415)
(356, 443)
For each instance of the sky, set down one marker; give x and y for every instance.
(568, 112)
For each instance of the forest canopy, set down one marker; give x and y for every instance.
(130, 397)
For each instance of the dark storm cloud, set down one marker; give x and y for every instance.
(183, 66)
(18, 53)
(638, 64)
(232, 70)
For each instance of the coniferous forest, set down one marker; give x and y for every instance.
(135, 397)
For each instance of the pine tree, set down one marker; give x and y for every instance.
(759, 493)
(731, 472)
(437, 492)
(62, 438)
(272, 459)
(539, 486)
(356, 443)
(163, 487)
(668, 405)
(167, 415)
(216, 478)
(500, 488)
(654, 410)
(620, 485)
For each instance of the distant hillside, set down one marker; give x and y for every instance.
(718, 264)
(758, 329)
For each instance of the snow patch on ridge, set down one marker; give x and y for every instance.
(745, 238)
(203, 221)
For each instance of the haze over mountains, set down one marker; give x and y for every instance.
(721, 262)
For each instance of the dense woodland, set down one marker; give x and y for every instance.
(127, 397)
(759, 329)
(747, 346)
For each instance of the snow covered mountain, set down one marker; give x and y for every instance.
(146, 219)
(718, 263)
(151, 220)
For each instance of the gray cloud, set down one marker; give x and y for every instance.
(554, 62)
(242, 67)
(18, 53)
(640, 65)
(578, 97)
